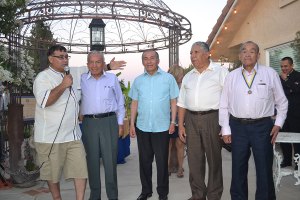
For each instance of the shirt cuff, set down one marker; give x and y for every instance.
(181, 105)
(279, 122)
(120, 120)
(226, 130)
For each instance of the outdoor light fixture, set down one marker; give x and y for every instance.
(97, 34)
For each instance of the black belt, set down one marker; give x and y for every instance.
(101, 115)
(202, 112)
(248, 120)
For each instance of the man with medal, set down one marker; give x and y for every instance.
(249, 97)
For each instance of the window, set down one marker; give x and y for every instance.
(280, 51)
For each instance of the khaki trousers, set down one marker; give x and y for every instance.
(204, 143)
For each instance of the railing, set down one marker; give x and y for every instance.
(4, 146)
(3, 135)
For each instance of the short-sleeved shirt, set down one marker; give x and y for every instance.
(64, 111)
(153, 93)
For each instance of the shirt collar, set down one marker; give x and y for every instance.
(89, 75)
(211, 67)
(255, 69)
(57, 72)
(159, 71)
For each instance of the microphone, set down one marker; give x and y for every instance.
(67, 70)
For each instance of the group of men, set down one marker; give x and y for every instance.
(211, 101)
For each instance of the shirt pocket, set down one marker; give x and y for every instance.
(263, 91)
(109, 95)
(109, 92)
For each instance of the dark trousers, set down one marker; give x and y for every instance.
(152, 145)
(255, 136)
(100, 139)
(203, 143)
(292, 124)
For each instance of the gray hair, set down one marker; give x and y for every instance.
(203, 45)
(249, 42)
(95, 53)
(149, 50)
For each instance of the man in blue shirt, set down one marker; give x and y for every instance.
(102, 107)
(153, 93)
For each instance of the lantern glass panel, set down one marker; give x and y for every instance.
(97, 35)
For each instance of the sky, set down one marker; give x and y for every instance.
(202, 14)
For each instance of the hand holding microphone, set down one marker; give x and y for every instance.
(67, 70)
(68, 79)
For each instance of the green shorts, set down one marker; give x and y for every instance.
(69, 157)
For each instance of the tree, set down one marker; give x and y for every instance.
(41, 39)
(5, 75)
(9, 11)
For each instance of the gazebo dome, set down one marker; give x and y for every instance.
(131, 25)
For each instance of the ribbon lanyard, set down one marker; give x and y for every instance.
(250, 82)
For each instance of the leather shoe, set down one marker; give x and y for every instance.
(144, 196)
(284, 164)
(163, 198)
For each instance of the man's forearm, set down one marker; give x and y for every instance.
(181, 115)
(55, 93)
(133, 112)
(173, 110)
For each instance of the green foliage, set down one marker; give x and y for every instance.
(21, 75)
(5, 74)
(189, 68)
(30, 166)
(9, 11)
(40, 40)
(127, 99)
(125, 91)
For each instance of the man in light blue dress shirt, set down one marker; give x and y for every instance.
(102, 107)
(153, 93)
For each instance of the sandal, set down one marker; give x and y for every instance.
(180, 173)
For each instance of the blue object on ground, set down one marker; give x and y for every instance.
(123, 149)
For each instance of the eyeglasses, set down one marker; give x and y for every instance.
(62, 57)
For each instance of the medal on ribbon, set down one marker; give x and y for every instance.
(250, 81)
